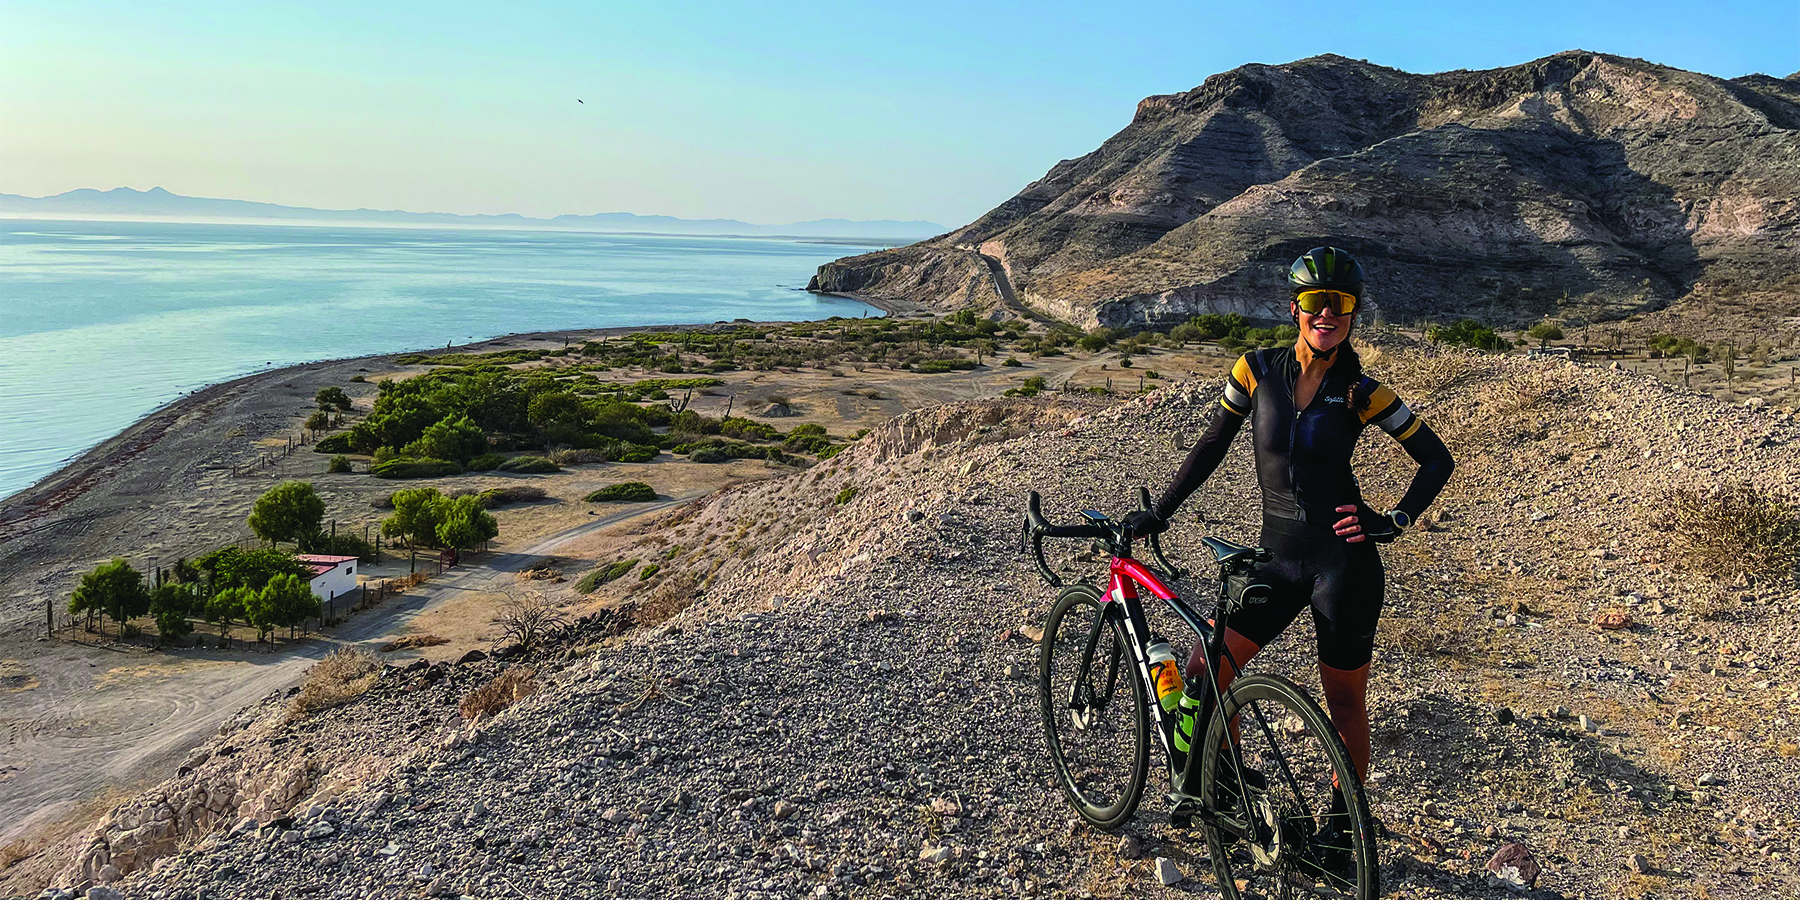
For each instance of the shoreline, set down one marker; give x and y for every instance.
(73, 478)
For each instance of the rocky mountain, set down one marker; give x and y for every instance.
(1582, 185)
(124, 201)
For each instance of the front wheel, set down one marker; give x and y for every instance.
(1096, 709)
(1293, 817)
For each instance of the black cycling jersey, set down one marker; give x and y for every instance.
(1303, 467)
(1303, 456)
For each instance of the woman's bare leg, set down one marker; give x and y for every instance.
(1347, 699)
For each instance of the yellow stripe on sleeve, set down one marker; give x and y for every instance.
(1244, 376)
(1379, 402)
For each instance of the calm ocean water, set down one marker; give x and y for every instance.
(102, 322)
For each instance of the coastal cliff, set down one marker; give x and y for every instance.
(1581, 185)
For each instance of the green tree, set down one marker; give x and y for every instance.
(1092, 343)
(286, 602)
(459, 439)
(1545, 332)
(226, 606)
(286, 512)
(318, 422)
(171, 604)
(463, 524)
(329, 397)
(114, 589)
(233, 567)
(415, 518)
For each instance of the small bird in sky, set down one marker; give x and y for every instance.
(578, 100)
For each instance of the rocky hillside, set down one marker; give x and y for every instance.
(1583, 185)
(826, 690)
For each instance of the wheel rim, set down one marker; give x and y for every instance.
(1093, 722)
(1302, 848)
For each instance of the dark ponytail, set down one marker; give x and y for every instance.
(1361, 386)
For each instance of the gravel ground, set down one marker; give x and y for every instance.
(846, 708)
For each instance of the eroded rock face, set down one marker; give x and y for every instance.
(1577, 183)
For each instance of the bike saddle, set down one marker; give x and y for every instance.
(1227, 552)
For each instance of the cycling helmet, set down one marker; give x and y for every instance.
(1326, 268)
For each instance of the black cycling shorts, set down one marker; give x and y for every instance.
(1343, 583)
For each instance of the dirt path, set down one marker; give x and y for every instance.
(142, 713)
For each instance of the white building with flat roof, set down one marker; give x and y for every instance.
(333, 576)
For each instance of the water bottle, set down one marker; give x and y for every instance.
(1167, 670)
(1186, 721)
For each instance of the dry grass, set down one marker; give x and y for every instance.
(545, 573)
(1734, 529)
(510, 687)
(674, 594)
(412, 642)
(335, 680)
(1437, 636)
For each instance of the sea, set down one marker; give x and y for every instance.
(102, 322)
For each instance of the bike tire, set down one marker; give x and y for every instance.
(1099, 747)
(1292, 744)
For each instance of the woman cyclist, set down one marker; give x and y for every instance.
(1307, 405)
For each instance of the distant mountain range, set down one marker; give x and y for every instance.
(1581, 186)
(159, 203)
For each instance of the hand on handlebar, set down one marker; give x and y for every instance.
(1145, 522)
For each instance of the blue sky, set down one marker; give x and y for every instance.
(767, 112)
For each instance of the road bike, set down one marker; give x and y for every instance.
(1283, 812)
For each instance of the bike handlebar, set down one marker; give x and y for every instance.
(1038, 528)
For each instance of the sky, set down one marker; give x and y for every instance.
(768, 112)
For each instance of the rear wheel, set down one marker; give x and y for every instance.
(1298, 839)
(1096, 710)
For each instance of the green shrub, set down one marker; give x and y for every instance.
(806, 443)
(358, 379)
(940, 366)
(529, 465)
(748, 430)
(808, 428)
(415, 468)
(1093, 343)
(831, 451)
(646, 572)
(1011, 363)
(593, 580)
(710, 455)
(493, 498)
(486, 462)
(844, 496)
(338, 465)
(637, 453)
(340, 443)
(1466, 333)
(629, 491)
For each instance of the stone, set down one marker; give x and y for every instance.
(1167, 871)
(1504, 715)
(1710, 779)
(1513, 867)
(1588, 725)
(319, 831)
(1637, 863)
(934, 855)
(1612, 620)
(614, 815)
(108, 874)
(102, 892)
(1129, 848)
(783, 810)
(473, 656)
